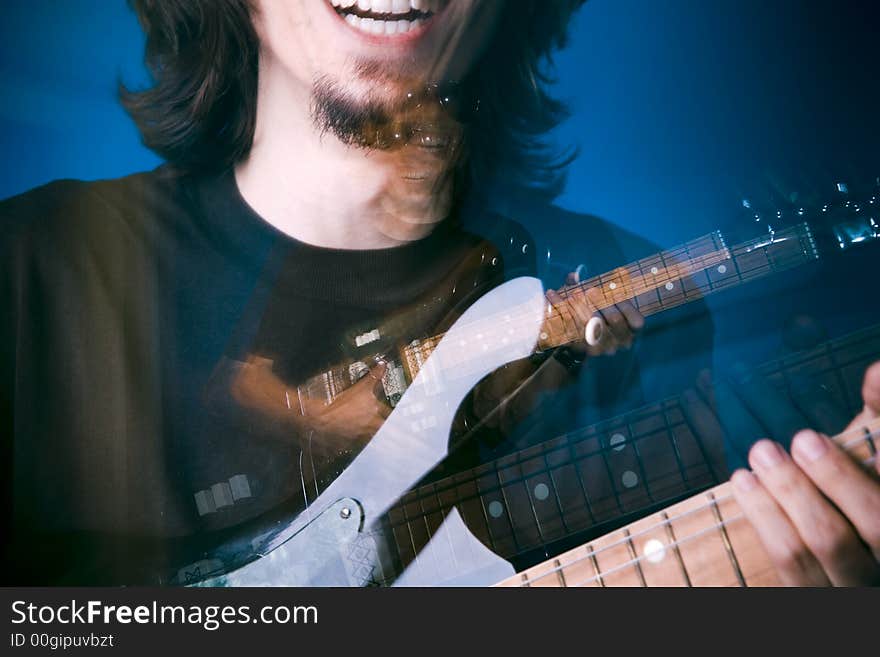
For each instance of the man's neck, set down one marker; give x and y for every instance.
(315, 188)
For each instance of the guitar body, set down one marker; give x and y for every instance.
(342, 536)
(334, 541)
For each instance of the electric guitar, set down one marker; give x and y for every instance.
(510, 322)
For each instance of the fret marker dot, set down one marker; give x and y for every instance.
(722, 269)
(542, 492)
(544, 336)
(496, 509)
(654, 551)
(670, 286)
(655, 271)
(629, 479)
(617, 442)
(613, 286)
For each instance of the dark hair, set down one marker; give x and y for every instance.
(200, 112)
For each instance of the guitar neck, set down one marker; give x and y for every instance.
(660, 282)
(702, 541)
(684, 274)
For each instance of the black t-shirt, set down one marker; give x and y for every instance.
(124, 303)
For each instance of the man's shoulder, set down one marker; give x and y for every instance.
(565, 240)
(69, 209)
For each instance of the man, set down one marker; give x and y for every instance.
(325, 155)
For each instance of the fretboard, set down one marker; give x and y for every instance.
(702, 541)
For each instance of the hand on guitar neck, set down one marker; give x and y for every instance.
(508, 395)
(816, 511)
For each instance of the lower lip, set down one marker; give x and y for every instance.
(385, 39)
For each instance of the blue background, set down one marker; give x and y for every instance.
(681, 107)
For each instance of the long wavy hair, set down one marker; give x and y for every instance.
(200, 111)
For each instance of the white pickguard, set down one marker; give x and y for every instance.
(414, 439)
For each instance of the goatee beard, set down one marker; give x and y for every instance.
(387, 125)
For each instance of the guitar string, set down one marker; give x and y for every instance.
(673, 544)
(678, 271)
(426, 347)
(865, 436)
(635, 270)
(743, 274)
(676, 543)
(471, 429)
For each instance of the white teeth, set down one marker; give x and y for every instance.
(384, 27)
(390, 6)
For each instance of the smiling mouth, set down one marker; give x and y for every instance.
(387, 17)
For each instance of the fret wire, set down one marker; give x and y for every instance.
(401, 561)
(659, 295)
(459, 503)
(448, 537)
(595, 565)
(560, 574)
(854, 404)
(577, 470)
(534, 511)
(525, 580)
(641, 464)
(634, 557)
(430, 535)
(549, 473)
(611, 478)
(838, 370)
(412, 538)
(641, 277)
(488, 522)
(670, 535)
(725, 539)
(706, 459)
(674, 441)
(506, 505)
